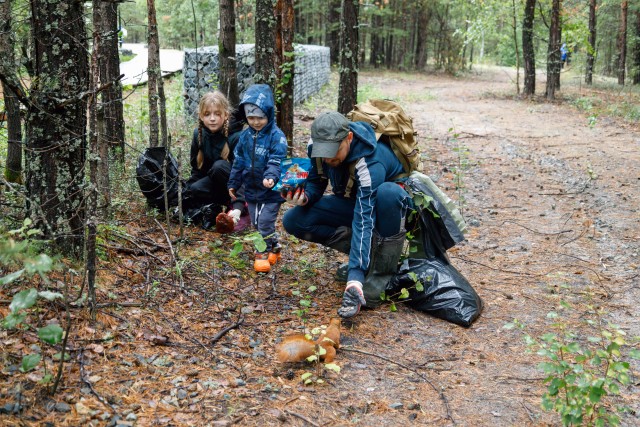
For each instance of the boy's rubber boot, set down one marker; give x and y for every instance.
(275, 254)
(261, 263)
(385, 254)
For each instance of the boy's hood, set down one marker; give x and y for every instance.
(260, 95)
(364, 141)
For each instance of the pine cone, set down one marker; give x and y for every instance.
(224, 223)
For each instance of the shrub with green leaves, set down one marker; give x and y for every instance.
(584, 374)
(18, 258)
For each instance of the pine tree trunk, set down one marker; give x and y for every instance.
(553, 52)
(376, 55)
(591, 49)
(94, 149)
(265, 43)
(528, 49)
(348, 85)
(622, 42)
(333, 30)
(515, 42)
(636, 51)
(153, 71)
(110, 105)
(421, 37)
(13, 168)
(227, 49)
(56, 123)
(286, 69)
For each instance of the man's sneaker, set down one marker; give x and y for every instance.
(261, 263)
(275, 254)
(342, 272)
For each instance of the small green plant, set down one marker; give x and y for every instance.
(404, 294)
(286, 73)
(317, 377)
(305, 300)
(20, 304)
(584, 374)
(255, 239)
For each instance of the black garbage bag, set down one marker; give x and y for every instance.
(441, 224)
(150, 177)
(446, 293)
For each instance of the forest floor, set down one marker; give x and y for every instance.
(552, 201)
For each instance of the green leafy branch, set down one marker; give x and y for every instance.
(583, 375)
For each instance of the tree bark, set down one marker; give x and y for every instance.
(591, 49)
(56, 123)
(286, 68)
(153, 71)
(265, 43)
(636, 51)
(528, 49)
(348, 85)
(109, 106)
(515, 42)
(421, 37)
(376, 55)
(227, 49)
(553, 52)
(333, 31)
(622, 42)
(13, 168)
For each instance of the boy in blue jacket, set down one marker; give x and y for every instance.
(258, 154)
(365, 216)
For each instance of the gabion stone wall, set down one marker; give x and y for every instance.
(312, 71)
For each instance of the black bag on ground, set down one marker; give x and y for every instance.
(150, 177)
(446, 293)
(441, 224)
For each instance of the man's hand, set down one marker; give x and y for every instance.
(232, 194)
(268, 182)
(298, 197)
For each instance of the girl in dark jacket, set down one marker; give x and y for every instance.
(211, 157)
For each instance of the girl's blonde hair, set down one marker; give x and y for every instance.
(215, 99)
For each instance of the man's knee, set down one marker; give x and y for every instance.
(289, 222)
(391, 194)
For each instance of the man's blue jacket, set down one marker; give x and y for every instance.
(374, 163)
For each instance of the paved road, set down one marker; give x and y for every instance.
(135, 70)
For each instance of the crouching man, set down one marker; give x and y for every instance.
(365, 215)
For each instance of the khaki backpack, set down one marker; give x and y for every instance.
(392, 126)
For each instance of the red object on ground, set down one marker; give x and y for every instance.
(224, 223)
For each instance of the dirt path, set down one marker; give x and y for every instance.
(552, 205)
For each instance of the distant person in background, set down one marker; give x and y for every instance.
(564, 54)
(212, 148)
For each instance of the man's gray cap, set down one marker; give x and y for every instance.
(327, 132)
